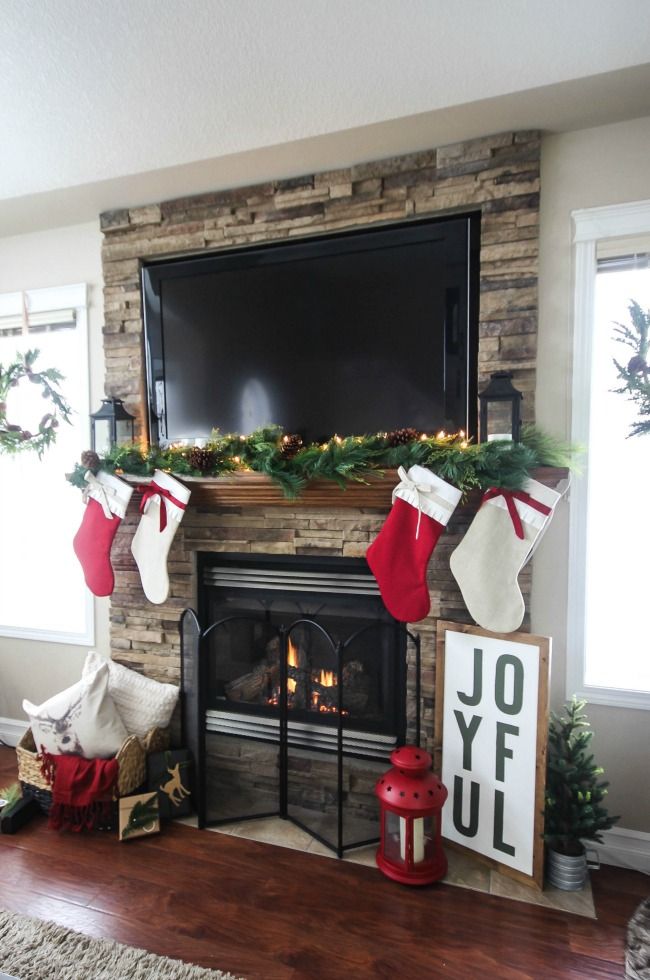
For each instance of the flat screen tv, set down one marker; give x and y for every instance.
(353, 333)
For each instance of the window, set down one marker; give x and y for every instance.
(608, 647)
(42, 591)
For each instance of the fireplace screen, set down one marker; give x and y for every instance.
(301, 692)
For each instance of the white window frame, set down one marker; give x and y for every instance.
(591, 225)
(45, 300)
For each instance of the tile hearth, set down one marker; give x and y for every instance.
(465, 871)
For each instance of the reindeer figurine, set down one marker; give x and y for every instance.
(65, 738)
(174, 787)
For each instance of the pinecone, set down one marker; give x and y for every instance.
(401, 436)
(90, 460)
(638, 365)
(290, 445)
(201, 459)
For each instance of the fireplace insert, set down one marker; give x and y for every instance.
(328, 600)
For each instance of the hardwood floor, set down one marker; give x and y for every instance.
(268, 913)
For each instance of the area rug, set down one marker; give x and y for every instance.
(34, 950)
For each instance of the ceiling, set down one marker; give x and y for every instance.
(109, 103)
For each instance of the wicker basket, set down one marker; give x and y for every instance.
(132, 759)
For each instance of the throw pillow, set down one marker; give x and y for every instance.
(142, 702)
(82, 720)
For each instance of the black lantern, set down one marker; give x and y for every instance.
(111, 425)
(500, 412)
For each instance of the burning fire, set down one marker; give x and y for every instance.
(292, 661)
(319, 701)
(326, 678)
(292, 655)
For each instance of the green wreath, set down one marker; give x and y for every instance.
(14, 438)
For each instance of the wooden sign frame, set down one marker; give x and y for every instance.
(538, 666)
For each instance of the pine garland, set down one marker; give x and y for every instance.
(635, 375)
(345, 459)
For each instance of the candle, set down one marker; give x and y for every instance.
(418, 839)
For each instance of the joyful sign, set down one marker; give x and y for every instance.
(492, 727)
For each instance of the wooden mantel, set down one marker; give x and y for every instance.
(249, 489)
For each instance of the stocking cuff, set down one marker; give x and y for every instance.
(178, 491)
(529, 515)
(426, 492)
(109, 491)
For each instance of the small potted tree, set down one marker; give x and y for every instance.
(573, 801)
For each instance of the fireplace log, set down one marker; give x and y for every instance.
(255, 685)
(357, 687)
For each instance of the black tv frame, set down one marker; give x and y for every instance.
(390, 233)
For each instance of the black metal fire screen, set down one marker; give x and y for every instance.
(318, 690)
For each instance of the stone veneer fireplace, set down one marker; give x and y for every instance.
(497, 176)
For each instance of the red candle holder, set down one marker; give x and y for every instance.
(411, 798)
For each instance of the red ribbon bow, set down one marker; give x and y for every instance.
(510, 496)
(152, 489)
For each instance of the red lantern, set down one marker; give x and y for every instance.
(411, 798)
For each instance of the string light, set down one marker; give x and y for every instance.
(222, 458)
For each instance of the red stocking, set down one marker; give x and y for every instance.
(106, 501)
(399, 556)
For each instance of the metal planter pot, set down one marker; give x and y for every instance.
(566, 871)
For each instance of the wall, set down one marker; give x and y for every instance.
(52, 258)
(588, 168)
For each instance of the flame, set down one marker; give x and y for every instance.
(291, 685)
(292, 655)
(326, 678)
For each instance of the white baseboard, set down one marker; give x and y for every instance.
(12, 730)
(624, 849)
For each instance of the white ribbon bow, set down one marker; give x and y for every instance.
(99, 492)
(415, 488)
